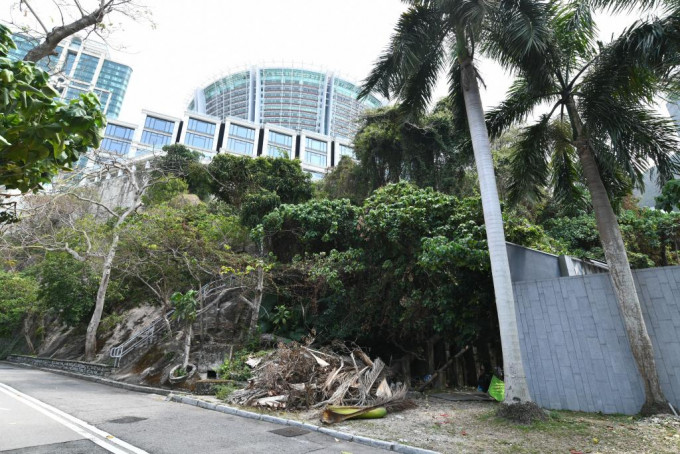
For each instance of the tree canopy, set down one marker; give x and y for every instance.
(39, 135)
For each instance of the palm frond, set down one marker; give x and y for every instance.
(518, 104)
(639, 62)
(575, 29)
(615, 179)
(519, 36)
(409, 67)
(565, 174)
(636, 135)
(619, 6)
(529, 164)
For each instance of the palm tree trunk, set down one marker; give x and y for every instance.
(619, 268)
(516, 389)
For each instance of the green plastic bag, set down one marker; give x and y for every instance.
(497, 389)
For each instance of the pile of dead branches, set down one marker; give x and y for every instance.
(295, 376)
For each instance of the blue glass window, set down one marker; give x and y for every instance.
(280, 139)
(154, 138)
(197, 140)
(241, 131)
(239, 146)
(315, 159)
(201, 126)
(158, 124)
(277, 151)
(73, 93)
(115, 146)
(68, 63)
(316, 145)
(315, 175)
(120, 132)
(346, 151)
(87, 65)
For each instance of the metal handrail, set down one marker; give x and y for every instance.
(142, 337)
(149, 334)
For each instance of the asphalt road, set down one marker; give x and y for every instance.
(41, 412)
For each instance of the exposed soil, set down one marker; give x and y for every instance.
(473, 427)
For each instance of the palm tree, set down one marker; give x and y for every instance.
(600, 128)
(431, 36)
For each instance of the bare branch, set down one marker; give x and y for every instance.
(94, 202)
(28, 5)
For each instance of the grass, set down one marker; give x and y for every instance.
(224, 391)
(561, 422)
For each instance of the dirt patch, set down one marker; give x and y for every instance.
(473, 427)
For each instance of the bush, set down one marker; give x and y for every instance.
(224, 391)
(18, 297)
(68, 287)
(236, 368)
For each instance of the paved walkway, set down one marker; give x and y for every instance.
(41, 412)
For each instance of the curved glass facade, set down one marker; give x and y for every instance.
(294, 98)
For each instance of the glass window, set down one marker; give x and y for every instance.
(115, 146)
(201, 126)
(120, 132)
(315, 175)
(87, 65)
(241, 131)
(239, 146)
(280, 139)
(315, 158)
(316, 145)
(346, 151)
(68, 63)
(153, 138)
(278, 152)
(197, 140)
(158, 124)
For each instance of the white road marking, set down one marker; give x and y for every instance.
(80, 427)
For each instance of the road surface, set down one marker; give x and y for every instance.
(41, 412)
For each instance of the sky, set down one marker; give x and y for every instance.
(192, 43)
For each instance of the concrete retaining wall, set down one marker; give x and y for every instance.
(80, 367)
(575, 349)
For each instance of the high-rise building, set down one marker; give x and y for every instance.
(81, 66)
(298, 99)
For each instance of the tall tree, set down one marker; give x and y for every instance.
(600, 129)
(425, 36)
(98, 244)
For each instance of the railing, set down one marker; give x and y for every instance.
(147, 336)
(150, 334)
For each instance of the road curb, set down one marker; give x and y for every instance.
(95, 379)
(386, 445)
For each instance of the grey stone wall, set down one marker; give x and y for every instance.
(80, 367)
(574, 346)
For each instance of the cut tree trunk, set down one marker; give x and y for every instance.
(619, 269)
(257, 301)
(516, 388)
(27, 334)
(187, 345)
